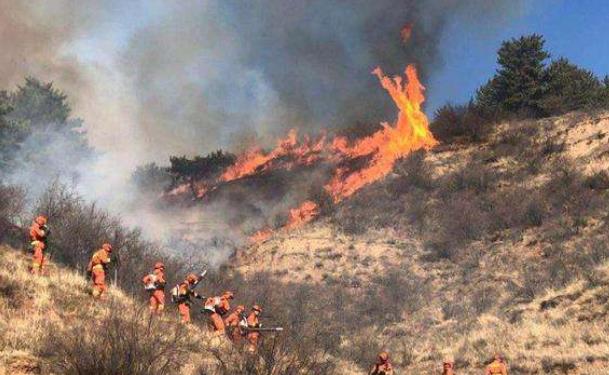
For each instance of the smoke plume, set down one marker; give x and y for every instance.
(152, 79)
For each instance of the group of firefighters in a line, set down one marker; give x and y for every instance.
(383, 366)
(217, 308)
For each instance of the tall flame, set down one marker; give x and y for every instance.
(381, 149)
(410, 133)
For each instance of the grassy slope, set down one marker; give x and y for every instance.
(47, 322)
(42, 320)
(475, 304)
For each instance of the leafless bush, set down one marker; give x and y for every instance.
(474, 176)
(12, 202)
(412, 172)
(598, 181)
(79, 228)
(273, 357)
(122, 342)
(461, 122)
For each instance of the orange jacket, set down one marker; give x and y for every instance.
(382, 369)
(185, 292)
(36, 232)
(157, 277)
(99, 259)
(219, 305)
(252, 320)
(233, 319)
(496, 368)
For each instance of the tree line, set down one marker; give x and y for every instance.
(525, 85)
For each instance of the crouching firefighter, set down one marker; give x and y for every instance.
(154, 284)
(183, 293)
(498, 366)
(382, 365)
(233, 323)
(216, 308)
(39, 233)
(98, 267)
(253, 324)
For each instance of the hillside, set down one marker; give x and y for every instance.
(51, 325)
(496, 246)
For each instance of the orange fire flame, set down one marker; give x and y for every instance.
(261, 235)
(299, 216)
(383, 148)
(303, 214)
(410, 133)
(256, 160)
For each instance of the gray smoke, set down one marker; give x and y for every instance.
(204, 74)
(152, 79)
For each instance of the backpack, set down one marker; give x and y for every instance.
(175, 294)
(151, 285)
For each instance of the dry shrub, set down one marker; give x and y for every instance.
(12, 203)
(78, 228)
(395, 203)
(275, 355)
(412, 173)
(461, 123)
(598, 181)
(119, 341)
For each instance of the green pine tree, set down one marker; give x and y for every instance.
(518, 84)
(568, 87)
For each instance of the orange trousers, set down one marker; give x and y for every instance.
(217, 324)
(38, 260)
(99, 282)
(157, 301)
(184, 310)
(252, 338)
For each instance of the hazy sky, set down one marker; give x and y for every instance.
(154, 78)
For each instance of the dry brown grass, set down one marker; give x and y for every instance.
(524, 226)
(51, 325)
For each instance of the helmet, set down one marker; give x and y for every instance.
(159, 265)
(41, 220)
(228, 294)
(257, 308)
(107, 247)
(383, 357)
(191, 278)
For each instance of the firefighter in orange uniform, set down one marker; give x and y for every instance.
(448, 367)
(253, 321)
(217, 307)
(497, 367)
(184, 294)
(233, 322)
(38, 237)
(154, 283)
(382, 365)
(98, 268)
